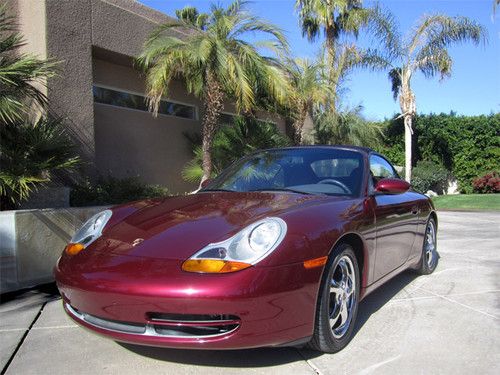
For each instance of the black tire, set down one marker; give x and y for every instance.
(429, 259)
(324, 338)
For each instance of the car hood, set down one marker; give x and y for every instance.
(178, 227)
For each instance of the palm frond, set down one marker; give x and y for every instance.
(31, 153)
(22, 76)
(396, 81)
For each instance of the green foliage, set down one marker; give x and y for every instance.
(346, 128)
(222, 52)
(18, 73)
(110, 190)
(428, 175)
(468, 146)
(232, 142)
(30, 154)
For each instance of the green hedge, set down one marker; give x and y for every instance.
(468, 146)
(110, 191)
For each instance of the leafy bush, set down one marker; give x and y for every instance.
(30, 154)
(468, 146)
(108, 191)
(346, 128)
(489, 183)
(428, 175)
(232, 142)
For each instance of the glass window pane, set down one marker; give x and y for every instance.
(124, 99)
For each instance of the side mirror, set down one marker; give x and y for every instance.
(392, 186)
(205, 183)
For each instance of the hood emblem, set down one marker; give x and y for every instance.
(137, 241)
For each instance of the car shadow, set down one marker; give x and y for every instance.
(264, 357)
(245, 358)
(378, 298)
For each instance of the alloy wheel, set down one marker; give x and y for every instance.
(430, 245)
(342, 296)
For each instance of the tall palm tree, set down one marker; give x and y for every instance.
(21, 75)
(337, 18)
(215, 62)
(310, 91)
(425, 49)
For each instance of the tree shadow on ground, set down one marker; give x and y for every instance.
(264, 357)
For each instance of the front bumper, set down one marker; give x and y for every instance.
(153, 302)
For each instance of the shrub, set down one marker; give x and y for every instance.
(232, 142)
(428, 175)
(31, 154)
(110, 190)
(468, 146)
(489, 183)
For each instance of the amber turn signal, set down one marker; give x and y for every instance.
(213, 266)
(316, 262)
(74, 248)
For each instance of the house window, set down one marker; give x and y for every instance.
(108, 96)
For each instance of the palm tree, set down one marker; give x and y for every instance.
(425, 49)
(20, 74)
(310, 91)
(337, 18)
(347, 127)
(244, 136)
(31, 152)
(216, 63)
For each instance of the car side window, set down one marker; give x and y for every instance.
(379, 169)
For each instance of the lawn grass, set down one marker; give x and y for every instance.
(482, 202)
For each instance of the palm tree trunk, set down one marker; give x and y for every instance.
(213, 105)
(408, 110)
(298, 125)
(330, 61)
(408, 145)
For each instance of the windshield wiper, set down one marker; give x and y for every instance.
(232, 191)
(284, 189)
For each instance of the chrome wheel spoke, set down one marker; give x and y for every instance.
(344, 313)
(335, 287)
(335, 316)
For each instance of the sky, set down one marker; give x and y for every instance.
(473, 89)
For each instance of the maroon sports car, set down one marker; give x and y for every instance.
(276, 251)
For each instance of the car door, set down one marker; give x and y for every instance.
(396, 217)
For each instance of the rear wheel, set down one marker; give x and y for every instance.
(338, 302)
(429, 250)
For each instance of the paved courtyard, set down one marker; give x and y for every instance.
(445, 323)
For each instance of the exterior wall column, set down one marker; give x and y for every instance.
(69, 40)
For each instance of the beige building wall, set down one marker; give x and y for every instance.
(130, 142)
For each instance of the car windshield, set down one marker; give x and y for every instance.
(302, 170)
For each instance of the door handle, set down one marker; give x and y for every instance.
(415, 210)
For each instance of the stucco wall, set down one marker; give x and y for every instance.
(135, 143)
(69, 40)
(31, 241)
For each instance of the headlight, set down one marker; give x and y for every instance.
(242, 250)
(89, 232)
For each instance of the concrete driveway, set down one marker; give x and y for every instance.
(447, 323)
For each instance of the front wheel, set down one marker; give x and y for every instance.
(338, 301)
(429, 250)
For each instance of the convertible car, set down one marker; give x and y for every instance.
(278, 250)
